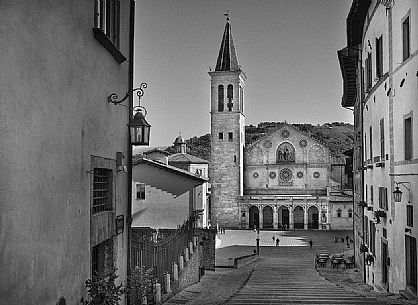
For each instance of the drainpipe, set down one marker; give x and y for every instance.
(130, 111)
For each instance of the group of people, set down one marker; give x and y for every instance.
(276, 240)
(347, 239)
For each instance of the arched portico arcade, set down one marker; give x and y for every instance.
(286, 214)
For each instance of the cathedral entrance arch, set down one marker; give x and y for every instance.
(313, 218)
(283, 217)
(298, 217)
(267, 217)
(254, 219)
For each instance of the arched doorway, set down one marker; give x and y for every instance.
(298, 217)
(313, 216)
(254, 217)
(267, 217)
(283, 218)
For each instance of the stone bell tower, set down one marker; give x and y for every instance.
(227, 134)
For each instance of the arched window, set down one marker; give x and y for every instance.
(230, 96)
(285, 153)
(339, 213)
(220, 98)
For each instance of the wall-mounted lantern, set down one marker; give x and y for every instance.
(139, 128)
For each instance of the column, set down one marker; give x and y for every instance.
(247, 218)
(260, 216)
(320, 218)
(275, 218)
(239, 217)
(327, 220)
(291, 218)
(305, 217)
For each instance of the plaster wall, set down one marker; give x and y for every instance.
(344, 222)
(160, 209)
(393, 106)
(54, 116)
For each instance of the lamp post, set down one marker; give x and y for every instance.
(397, 193)
(257, 240)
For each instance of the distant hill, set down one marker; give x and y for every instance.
(337, 136)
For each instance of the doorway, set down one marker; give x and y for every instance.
(411, 263)
(254, 219)
(267, 217)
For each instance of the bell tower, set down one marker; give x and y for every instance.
(227, 134)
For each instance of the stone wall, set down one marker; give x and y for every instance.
(191, 271)
(207, 239)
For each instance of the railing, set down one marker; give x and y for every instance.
(160, 251)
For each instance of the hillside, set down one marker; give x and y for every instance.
(337, 136)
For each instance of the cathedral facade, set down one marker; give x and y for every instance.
(281, 181)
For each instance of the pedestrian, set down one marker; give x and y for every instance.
(274, 239)
(277, 242)
(342, 239)
(310, 244)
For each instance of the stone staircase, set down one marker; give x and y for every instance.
(291, 279)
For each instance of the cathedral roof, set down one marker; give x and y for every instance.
(227, 58)
(280, 126)
(186, 158)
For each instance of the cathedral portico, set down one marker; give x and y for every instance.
(284, 212)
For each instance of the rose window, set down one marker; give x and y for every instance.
(303, 143)
(285, 174)
(285, 133)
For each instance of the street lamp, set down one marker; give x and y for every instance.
(139, 128)
(257, 239)
(397, 193)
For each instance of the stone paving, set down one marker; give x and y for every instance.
(283, 275)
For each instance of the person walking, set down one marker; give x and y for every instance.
(277, 242)
(310, 244)
(274, 239)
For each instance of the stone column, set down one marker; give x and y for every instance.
(320, 218)
(305, 217)
(247, 218)
(328, 220)
(239, 216)
(291, 218)
(275, 218)
(260, 216)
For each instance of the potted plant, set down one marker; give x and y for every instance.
(379, 214)
(369, 259)
(139, 285)
(363, 248)
(102, 289)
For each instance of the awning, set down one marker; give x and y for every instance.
(349, 59)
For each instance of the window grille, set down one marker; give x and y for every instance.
(102, 190)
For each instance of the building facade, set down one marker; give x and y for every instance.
(61, 192)
(285, 180)
(163, 196)
(385, 34)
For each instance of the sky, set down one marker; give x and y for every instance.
(287, 48)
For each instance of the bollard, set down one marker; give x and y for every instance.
(181, 262)
(196, 239)
(157, 293)
(175, 272)
(191, 247)
(167, 283)
(186, 254)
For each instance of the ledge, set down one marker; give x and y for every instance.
(108, 45)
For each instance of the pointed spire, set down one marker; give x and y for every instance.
(227, 58)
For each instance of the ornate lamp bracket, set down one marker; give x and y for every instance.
(113, 98)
